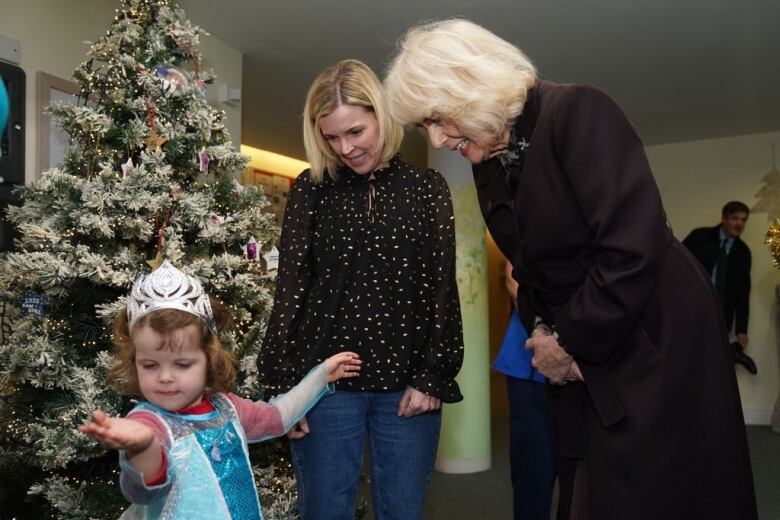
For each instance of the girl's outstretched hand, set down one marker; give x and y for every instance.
(343, 364)
(122, 434)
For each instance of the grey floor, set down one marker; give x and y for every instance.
(488, 495)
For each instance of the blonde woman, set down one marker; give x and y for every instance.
(367, 259)
(624, 322)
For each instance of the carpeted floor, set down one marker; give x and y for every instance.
(488, 495)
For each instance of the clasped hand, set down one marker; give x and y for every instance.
(415, 402)
(552, 360)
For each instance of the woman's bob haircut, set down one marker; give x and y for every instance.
(349, 82)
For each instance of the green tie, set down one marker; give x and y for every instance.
(720, 273)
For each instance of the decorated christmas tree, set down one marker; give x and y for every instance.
(150, 174)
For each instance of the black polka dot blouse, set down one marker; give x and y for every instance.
(367, 264)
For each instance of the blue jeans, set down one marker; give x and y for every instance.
(531, 449)
(329, 460)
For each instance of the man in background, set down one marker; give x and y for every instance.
(727, 259)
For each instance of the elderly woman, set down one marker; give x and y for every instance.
(367, 263)
(645, 401)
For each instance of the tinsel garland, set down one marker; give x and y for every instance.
(773, 241)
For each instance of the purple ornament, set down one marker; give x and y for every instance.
(203, 157)
(251, 250)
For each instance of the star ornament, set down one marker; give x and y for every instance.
(154, 141)
(128, 168)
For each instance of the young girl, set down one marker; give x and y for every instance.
(183, 449)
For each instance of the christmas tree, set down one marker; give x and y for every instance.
(150, 174)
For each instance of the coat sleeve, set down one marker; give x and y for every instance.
(292, 285)
(443, 355)
(703, 244)
(690, 241)
(610, 178)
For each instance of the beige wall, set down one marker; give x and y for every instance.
(227, 64)
(696, 178)
(52, 34)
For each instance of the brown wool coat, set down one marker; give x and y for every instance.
(659, 420)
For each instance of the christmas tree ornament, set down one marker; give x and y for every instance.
(158, 259)
(128, 168)
(175, 82)
(155, 142)
(272, 259)
(203, 159)
(33, 303)
(192, 52)
(250, 250)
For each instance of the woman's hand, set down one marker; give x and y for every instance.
(118, 433)
(574, 373)
(343, 364)
(414, 402)
(549, 358)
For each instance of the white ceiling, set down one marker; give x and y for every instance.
(681, 69)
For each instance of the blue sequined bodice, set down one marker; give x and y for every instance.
(208, 466)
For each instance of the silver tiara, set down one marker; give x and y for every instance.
(168, 288)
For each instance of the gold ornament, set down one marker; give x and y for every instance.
(154, 141)
(773, 241)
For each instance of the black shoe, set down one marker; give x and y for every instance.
(743, 359)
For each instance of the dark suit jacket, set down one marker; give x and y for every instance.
(704, 243)
(658, 419)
